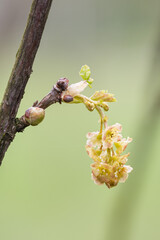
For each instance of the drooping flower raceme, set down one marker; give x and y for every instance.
(106, 150)
(106, 146)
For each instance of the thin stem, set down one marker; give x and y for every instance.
(99, 110)
(109, 152)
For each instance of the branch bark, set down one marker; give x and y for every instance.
(21, 72)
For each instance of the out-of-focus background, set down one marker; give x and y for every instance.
(46, 191)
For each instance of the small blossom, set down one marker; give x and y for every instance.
(125, 171)
(94, 139)
(105, 173)
(121, 145)
(94, 153)
(112, 135)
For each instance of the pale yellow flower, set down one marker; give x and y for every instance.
(122, 144)
(111, 135)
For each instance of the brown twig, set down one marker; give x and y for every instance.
(21, 72)
(52, 97)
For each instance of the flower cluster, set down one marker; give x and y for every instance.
(105, 149)
(106, 146)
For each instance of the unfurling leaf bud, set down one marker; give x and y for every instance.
(85, 72)
(34, 115)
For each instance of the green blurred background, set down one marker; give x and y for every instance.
(45, 187)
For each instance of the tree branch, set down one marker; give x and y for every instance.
(21, 72)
